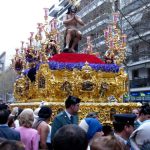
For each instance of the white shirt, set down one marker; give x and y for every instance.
(69, 115)
(140, 135)
(49, 135)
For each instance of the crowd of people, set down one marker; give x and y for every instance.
(27, 129)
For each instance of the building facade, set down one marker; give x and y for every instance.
(135, 22)
(2, 62)
(96, 15)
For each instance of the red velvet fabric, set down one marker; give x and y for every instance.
(76, 58)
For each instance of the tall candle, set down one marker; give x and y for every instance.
(106, 33)
(115, 17)
(111, 44)
(124, 38)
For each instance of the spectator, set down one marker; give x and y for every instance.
(16, 122)
(4, 106)
(107, 130)
(123, 127)
(106, 143)
(11, 120)
(140, 135)
(92, 115)
(43, 127)
(91, 126)
(60, 110)
(11, 145)
(5, 131)
(144, 114)
(29, 136)
(70, 137)
(14, 111)
(68, 116)
(136, 112)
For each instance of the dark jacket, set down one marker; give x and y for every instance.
(60, 120)
(9, 134)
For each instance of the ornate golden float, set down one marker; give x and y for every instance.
(100, 90)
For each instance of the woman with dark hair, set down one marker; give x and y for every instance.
(43, 127)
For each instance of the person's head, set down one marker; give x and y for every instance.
(106, 143)
(14, 111)
(124, 124)
(4, 114)
(60, 110)
(144, 113)
(92, 115)
(3, 106)
(26, 118)
(45, 113)
(72, 9)
(91, 126)
(107, 130)
(11, 145)
(136, 112)
(72, 104)
(11, 120)
(70, 137)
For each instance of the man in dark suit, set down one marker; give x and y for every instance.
(5, 131)
(68, 116)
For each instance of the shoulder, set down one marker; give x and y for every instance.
(43, 126)
(61, 114)
(60, 117)
(14, 132)
(33, 131)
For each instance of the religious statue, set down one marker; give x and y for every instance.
(109, 57)
(52, 48)
(72, 35)
(103, 89)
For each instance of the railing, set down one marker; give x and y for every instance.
(97, 22)
(90, 7)
(139, 57)
(133, 6)
(140, 83)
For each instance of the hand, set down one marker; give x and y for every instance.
(73, 16)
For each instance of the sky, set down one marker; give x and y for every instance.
(17, 19)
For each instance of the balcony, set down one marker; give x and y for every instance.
(54, 10)
(63, 10)
(97, 22)
(90, 7)
(140, 57)
(140, 83)
(134, 6)
(63, 2)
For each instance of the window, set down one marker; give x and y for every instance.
(116, 5)
(148, 72)
(135, 74)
